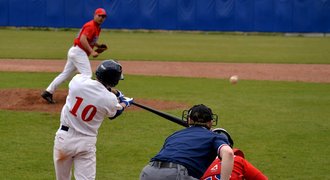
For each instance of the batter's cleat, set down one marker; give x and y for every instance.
(48, 97)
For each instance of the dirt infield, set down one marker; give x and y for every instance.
(30, 100)
(274, 72)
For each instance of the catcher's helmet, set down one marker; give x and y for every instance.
(109, 72)
(200, 114)
(224, 132)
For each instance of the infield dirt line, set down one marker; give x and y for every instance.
(319, 73)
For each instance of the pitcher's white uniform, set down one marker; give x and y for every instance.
(78, 54)
(77, 61)
(87, 104)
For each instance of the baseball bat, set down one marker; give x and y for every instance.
(162, 114)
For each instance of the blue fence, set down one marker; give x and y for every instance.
(209, 15)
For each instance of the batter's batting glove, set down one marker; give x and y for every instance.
(128, 101)
(119, 94)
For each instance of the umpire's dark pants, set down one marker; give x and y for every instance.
(165, 171)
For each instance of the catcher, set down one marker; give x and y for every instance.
(242, 168)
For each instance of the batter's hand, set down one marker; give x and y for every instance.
(128, 101)
(118, 93)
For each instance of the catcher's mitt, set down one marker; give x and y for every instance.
(101, 48)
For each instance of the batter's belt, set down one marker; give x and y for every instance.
(64, 128)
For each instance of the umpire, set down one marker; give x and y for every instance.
(187, 153)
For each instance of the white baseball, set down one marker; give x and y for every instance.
(233, 79)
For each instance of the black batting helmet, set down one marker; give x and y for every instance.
(200, 115)
(109, 72)
(224, 132)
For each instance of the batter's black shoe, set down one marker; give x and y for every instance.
(48, 97)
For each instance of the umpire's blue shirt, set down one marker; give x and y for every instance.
(195, 148)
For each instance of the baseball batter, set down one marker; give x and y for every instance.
(88, 103)
(77, 58)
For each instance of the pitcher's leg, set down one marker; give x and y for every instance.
(68, 70)
(82, 62)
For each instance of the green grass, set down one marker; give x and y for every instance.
(283, 127)
(26, 145)
(171, 46)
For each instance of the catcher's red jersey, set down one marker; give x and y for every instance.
(242, 169)
(92, 31)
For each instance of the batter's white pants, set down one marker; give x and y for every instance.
(72, 149)
(77, 61)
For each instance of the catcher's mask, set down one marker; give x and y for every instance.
(199, 115)
(224, 132)
(109, 72)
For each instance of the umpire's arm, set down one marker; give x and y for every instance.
(227, 161)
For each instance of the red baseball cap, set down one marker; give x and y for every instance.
(100, 11)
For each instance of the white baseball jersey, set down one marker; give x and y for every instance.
(87, 104)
